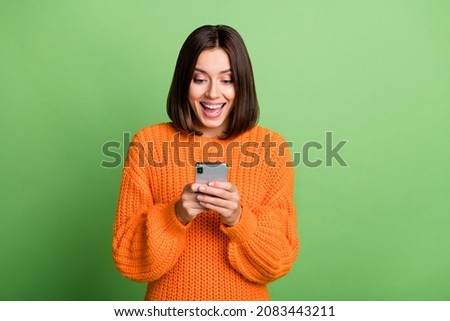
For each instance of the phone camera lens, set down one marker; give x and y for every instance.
(200, 170)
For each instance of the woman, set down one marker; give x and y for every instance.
(215, 241)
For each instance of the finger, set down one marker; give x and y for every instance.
(193, 188)
(223, 185)
(216, 201)
(194, 206)
(213, 191)
(221, 210)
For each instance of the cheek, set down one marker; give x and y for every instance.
(195, 93)
(229, 93)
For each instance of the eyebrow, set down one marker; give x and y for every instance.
(220, 72)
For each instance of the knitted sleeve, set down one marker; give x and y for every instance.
(148, 238)
(264, 244)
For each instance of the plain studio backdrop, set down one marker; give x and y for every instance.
(75, 75)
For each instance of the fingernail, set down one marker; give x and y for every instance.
(201, 188)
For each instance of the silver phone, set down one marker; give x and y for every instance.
(211, 172)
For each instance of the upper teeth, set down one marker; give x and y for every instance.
(213, 106)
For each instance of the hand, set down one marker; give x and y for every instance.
(222, 197)
(188, 207)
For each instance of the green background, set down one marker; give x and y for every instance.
(77, 74)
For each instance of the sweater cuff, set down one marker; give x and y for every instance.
(173, 224)
(244, 229)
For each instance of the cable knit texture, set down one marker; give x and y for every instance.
(205, 260)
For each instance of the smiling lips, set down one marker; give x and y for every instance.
(212, 110)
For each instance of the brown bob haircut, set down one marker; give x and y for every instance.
(245, 110)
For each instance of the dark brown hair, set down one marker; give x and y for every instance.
(245, 112)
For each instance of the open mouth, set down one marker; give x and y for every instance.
(212, 110)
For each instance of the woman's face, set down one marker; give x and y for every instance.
(212, 92)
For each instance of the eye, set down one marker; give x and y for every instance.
(227, 81)
(199, 80)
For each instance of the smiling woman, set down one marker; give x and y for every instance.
(224, 240)
(212, 93)
(215, 58)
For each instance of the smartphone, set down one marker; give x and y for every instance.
(211, 172)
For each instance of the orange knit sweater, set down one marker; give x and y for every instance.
(205, 260)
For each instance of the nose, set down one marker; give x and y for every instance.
(213, 91)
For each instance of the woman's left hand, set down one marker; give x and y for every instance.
(222, 197)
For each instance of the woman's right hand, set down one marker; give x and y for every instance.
(188, 207)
